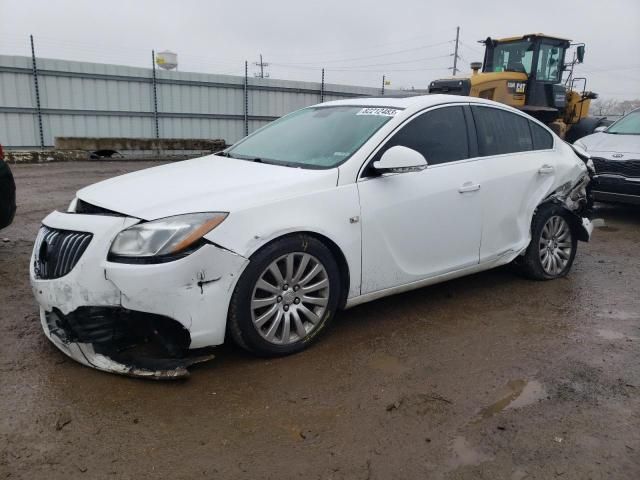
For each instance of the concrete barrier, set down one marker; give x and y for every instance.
(76, 149)
(119, 144)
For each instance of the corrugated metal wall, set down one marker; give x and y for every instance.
(81, 99)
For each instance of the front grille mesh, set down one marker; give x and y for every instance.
(58, 251)
(627, 168)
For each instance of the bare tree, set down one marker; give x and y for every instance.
(609, 106)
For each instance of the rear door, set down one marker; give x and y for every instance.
(517, 170)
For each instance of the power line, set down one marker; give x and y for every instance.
(474, 49)
(386, 44)
(355, 70)
(370, 56)
(364, 66)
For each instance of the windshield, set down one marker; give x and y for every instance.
(512, 57)
(316, 137)
(629, 125)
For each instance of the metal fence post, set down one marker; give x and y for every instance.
(322, 88)
(246, 98)
(35, 83)
(155, 94)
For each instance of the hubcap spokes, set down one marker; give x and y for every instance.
(290, 298)
(555, 245)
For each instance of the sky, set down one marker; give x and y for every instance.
(411, 42)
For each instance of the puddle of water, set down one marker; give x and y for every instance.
(520, 393)
(532, 392)
(611, 334)
(465, 454)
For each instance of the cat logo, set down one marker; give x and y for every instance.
(516, 87)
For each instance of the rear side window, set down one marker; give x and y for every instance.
(440, 135)
(542, 140)
(501, 132)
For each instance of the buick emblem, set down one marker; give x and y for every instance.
(617, 155)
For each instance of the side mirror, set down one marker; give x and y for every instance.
(399, 159)
(601, 128)
(580, 53)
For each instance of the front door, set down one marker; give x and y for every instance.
(421, 224)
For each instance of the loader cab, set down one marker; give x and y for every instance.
(541, 58)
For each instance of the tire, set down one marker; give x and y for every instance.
(585, 126)
(557, 238)
(263, 299)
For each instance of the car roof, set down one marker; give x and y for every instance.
(412, 102)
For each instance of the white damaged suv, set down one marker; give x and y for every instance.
(326, 208)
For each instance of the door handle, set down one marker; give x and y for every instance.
(469, 187)
(545, 170)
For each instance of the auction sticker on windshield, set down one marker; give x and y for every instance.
(384, 112)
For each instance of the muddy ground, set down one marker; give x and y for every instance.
(490, 376)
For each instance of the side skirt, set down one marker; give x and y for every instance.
(495, 262)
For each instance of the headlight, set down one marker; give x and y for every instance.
(167, 236)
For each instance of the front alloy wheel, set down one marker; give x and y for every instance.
(290, 298)
(286, 296)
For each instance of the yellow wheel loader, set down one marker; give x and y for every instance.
(530, 73)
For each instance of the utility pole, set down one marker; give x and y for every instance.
(154, 91)
(383, 81)
(261, 64)
(246, 98)
(37, 89)
(455, 53)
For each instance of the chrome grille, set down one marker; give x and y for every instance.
(627, 168)
(58, 251)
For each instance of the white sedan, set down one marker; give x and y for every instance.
(326, 208)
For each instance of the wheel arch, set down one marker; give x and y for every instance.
(336, 251)
(575, 221)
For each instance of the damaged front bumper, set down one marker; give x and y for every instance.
(100, 312)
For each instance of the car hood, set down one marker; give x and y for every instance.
(610, 143)
(206, 184)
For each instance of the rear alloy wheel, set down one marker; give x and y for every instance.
(553, 245)
(286, 296)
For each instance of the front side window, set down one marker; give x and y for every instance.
(512, 57)
(628, 125)
(500, 131)
(439, 135)
(549, 63)
(316, 137)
